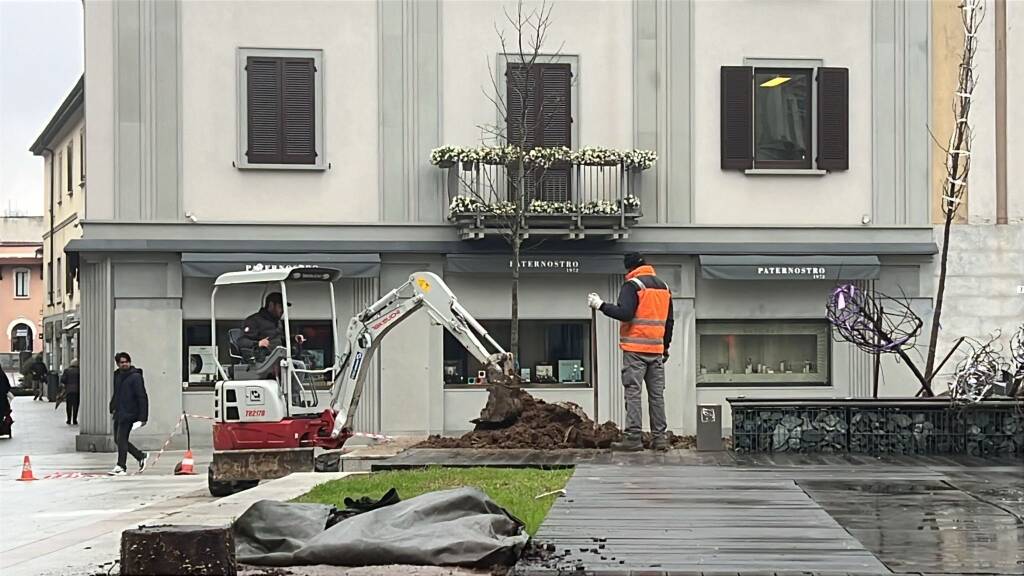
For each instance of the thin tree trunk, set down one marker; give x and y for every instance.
(516, 241)
(933, 341)
(878, 356)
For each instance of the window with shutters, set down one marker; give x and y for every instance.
(55, 186)
(71, 162)
(81, 157)
(21, 283)
(785, 118)
(280, 109)
(539, 113)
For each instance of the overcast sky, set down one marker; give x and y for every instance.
(40, 61)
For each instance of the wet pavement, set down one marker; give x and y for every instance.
(50, 525)
(701, 513)
(952, 527)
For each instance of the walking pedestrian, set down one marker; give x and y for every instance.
(37, 372)
(128, 405)
(5, 404)
(69, 380)
(644, 310)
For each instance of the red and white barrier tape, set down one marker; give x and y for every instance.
(167, 443)
(60, 475)
(199, 417)
(380, 437)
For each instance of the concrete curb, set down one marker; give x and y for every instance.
(226, 510)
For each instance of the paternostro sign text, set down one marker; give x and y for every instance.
(555, 264)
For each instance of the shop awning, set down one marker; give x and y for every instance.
(69, 327)
(756, 267)
(552, 264)
(204, 265)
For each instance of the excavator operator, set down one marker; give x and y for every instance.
(263, 331)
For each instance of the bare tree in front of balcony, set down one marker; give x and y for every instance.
(522, 120)
(958, 163)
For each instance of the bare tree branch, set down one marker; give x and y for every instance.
(958, 157)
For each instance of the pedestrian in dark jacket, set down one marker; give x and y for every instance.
(5, 404)
(128, 405)
(70, 381)
(38, 374)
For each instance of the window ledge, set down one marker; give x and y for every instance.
(297, 167)
(22, 297)
(784, 172)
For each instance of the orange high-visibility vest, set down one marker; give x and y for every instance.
(645, 334)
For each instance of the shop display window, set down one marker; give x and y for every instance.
(552, 353)
(317, 353)
(762, 353)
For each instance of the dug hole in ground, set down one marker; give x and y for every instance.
(544, 426)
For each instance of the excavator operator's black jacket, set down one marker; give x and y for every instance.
(257, 327)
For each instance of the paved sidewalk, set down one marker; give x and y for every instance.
(79, 502)
(94, 548)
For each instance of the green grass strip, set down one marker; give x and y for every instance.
(515, 489)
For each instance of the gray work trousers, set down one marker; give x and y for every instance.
(636, 369)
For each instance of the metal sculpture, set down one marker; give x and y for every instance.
(980, 370)
(877, 324)
(1015, 386)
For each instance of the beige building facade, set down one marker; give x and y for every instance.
(61, 145)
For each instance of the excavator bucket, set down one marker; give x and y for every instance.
(504, 402)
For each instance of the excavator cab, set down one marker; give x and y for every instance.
(271, 413)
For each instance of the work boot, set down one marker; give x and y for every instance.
(660, 443)
(629, 443)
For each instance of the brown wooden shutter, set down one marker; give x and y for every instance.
(555, 127)
(263, 90)
(71, 170)
(833, 119)
(737, 117)
(555, 97)
(521, 106)
(81, 157)
(539, 114)
(299, 111)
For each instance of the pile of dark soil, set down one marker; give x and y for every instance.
(543, 426)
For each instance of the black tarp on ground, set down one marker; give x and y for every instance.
(460, 527)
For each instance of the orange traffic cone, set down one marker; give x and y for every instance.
(187, 466)
(26, 470)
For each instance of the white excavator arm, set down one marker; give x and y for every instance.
(426, 291)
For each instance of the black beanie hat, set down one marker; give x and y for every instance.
(634, 260)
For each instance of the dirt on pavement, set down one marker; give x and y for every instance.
(395, 569)
(544, 426)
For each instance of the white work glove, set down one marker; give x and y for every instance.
(594, 301)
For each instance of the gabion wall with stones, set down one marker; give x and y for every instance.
(863, 428)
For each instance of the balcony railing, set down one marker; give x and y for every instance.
(571, 201)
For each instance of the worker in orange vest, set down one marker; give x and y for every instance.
(644, 310)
